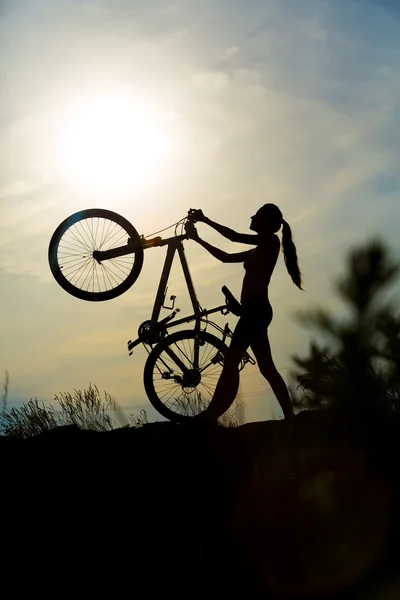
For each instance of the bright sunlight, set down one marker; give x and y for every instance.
(114, 143)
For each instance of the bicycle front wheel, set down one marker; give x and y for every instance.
(71, 255)
(177, 387)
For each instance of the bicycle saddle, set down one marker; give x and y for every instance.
(232, 304)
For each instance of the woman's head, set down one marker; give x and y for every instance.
(268, 219)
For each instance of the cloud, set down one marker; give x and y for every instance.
(231, 51)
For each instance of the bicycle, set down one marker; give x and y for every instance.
(97, 255)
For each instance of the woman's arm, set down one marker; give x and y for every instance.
(224, 257)
(230, 234)
(233, 236)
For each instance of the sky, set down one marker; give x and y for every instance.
(220, 105)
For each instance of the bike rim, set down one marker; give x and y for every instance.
(75, 255)
(182, 394)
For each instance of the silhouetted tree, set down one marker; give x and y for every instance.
(360, 369)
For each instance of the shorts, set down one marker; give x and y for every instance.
(252, 327)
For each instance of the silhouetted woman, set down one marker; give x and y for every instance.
(256, 315)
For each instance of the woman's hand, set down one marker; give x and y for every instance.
(197, 215)
(191, 231)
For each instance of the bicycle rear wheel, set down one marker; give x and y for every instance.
(71, 255)
(180, 395)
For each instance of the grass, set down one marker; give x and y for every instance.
(87, 409)
(5, 387)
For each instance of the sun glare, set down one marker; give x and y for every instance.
(114, 143)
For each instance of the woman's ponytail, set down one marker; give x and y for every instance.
(290, 255)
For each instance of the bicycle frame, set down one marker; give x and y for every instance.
(174, 245)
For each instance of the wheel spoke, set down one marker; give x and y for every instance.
(70, 249)
(89, 232)
(125, 271)
(76, 269)
(76, 236)
(115, 231)
(105, 236)
(71, 263)
(89, 264)
(85, 235)
(106, 277)
(210, 389)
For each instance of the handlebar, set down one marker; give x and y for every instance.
(191, 216)
(188, 224)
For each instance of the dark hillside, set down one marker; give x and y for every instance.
(179, 511)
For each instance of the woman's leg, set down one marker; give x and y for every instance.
(227, 386)
(262, 352)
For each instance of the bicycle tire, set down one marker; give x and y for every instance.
(72, 245)
(188, 404)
